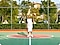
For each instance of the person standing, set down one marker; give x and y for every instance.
(29, 26)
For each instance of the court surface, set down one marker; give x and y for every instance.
(19, 38)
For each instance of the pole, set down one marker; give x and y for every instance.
(11, 14)
(48, 15)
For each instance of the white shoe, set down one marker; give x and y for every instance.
(31, 35)
(28, 35)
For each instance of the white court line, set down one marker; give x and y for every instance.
(0, 44)
(29, 40)
(59, 44)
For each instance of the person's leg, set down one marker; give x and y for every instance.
(30, 32)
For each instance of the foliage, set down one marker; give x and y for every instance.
(14, 13)
(55, 26)
(35, 26)
(59, 12)
(4, 3)
(34, 10)
(14, 4)
(40, 26)
(52, 10)
(14, 26)
(5, 12)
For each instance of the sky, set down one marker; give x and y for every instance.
(39, 1)
(56, 1)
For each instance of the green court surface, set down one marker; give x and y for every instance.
(4, 40)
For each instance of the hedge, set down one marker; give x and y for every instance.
(40, 26)
(24, 26)
(14, 26)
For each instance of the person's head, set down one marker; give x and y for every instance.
(28, 16)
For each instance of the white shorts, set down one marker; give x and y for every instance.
(29, 26)
(29, 29)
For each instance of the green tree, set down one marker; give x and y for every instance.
(14, 4)
(52, 11)
(52, 6)
(5, 12)
(14, 14)
(59, 12)
(4, 3)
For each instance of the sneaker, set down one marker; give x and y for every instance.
(31, 35)
(28, 35)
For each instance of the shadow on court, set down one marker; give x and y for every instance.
(22, 33)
